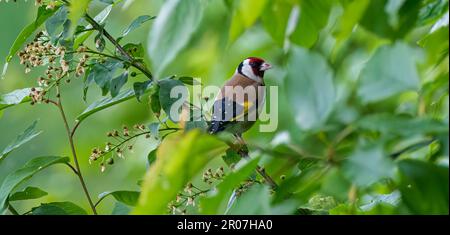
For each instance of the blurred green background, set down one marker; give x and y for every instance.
(213, 53)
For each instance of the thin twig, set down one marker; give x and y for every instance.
(72, 147)
(343, 134)
(74, 129)
(105, 55)
(266, 177)
(99, 200)
(72, 168)
(53, 102)
(129, 57)
(244, 154)
(125, 140)
(200, 192)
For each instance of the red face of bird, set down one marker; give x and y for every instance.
(253, 68)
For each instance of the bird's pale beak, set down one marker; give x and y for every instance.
(265, 66)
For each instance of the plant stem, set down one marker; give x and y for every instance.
(125, 140)
(72, 147)
(98, 202)
(266, 177)
(72, 168)
(74, 129)
(129, 57)
(12, 209)
(244, 154)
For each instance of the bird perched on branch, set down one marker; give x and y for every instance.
(239, 102)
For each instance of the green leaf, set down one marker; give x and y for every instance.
(155, 104)
(367, 165)
(106, 103)
(216, 201)
(154, 129)
(86, 82)
(42, 15)
(320, 203)
(99, 18)
(58, 208)
(231, 157)
(23, 138)
(176, 24)
(353, 12)
(389, 19)
(27, 171)
(402, 125)
(151, 157)
(179, 159)
(77, 9)
(197, 124)
(243, 18)
(335, 184)
(309, 88)
(390, 71)
(436, 45)
(407, 16)
(27, 194)
(424, 187)
(254, 201)
(102, 73)
(55, 24)
(189, 80)
(136, 23)
(126, 197)
(444, 141)
(121, 209)
(117, 83)
(432, 11)
(136, 50)
(66, 42)
(15, 97)
(306, 163)
(343, 209)
(166, 87)
(141, 88)
(313, 17)
(381, 208)
(376, 19)
(300, 187)
(275, 19)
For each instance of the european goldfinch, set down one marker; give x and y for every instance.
(239, 102)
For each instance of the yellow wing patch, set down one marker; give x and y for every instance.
(247, 105)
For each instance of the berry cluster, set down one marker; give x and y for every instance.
(209, 177)
(121, 141)
(41, 52)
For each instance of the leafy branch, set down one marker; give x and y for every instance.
(116, 44)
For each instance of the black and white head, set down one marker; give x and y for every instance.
(253, 68)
